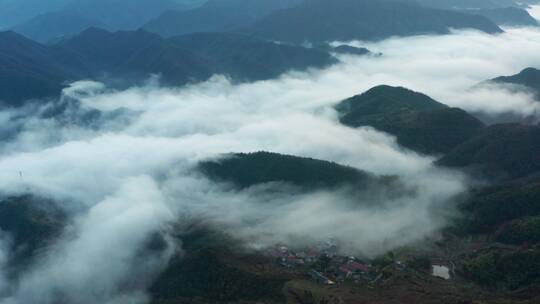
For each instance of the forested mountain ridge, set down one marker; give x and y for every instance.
(418, 121)
(215, 16)
(344, 20)
(135, 55)
(528, 79)
(74, 16)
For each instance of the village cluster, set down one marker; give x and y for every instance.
(326, 266)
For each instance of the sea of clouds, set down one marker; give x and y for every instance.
(125, 160)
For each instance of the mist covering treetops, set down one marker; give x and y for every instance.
(51, 19)
(528, 78)
(318, 21)
(32, 223)
(506, 16)
(208, 269)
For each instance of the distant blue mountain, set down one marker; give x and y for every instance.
(13, 12)
(342, 20)
(112, 15)
(502, 12)
(215, 16)
(33, 70)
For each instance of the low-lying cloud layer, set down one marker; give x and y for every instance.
(103, 253)
(126, 158)
(448, 68)
(534, 11)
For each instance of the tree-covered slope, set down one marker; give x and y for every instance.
(419, 122)
(215, 16)
(248, 58)
(489, 208)
(120, 45)
(504, 151)
(344, 20)
(245, 170)
(500, 270)
(113, 15)
(175, 65)
(528, 78)
(29, 69)
(385, 99)
(215, 275)
(521, 231)
(192, 57)
(33, 70)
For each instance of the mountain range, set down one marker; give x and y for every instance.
(502, 12)
(487, 233)
(318, 20)
(245, 55)
(211, 269)
(29, 69)
(168, 18)
(75, 16)
(344, 20)
(135, 55)
(215, 16)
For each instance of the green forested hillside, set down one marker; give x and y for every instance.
(419, 122)
(245, 170)
(504, 151)
(32, 70)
